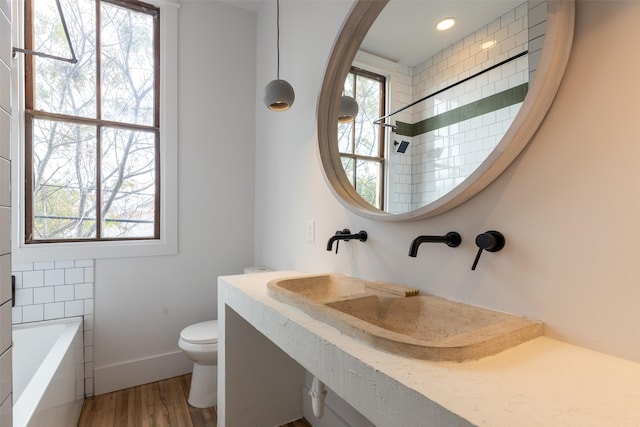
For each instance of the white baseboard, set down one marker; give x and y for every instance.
(141, 371)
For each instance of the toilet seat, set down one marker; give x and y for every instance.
(201, 333)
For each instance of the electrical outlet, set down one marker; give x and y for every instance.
(311, 231)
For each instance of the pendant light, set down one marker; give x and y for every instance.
(278, 94)
(348, 109)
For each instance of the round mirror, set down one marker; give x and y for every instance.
(437, 122)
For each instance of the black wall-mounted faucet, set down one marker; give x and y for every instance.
(491, 241)
(346, 236)
(451, 239)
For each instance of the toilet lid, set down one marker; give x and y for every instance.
(201, 333)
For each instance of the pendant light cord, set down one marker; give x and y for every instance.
(278, 36)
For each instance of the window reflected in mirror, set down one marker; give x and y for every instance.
(361, 143)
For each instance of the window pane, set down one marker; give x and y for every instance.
(345, 132)
(61, 87)
(64, 188)
(128, 184)
(367, 181)
(368, 98)
(127, 65)
(348, 164)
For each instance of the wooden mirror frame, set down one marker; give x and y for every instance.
(542, 91)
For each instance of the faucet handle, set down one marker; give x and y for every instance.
(343, 232)
(491, 241)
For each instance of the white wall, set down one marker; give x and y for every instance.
(141, 304)
(568, 205)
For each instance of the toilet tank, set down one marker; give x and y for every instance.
(256, 269)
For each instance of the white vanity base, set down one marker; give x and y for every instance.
(543, 382)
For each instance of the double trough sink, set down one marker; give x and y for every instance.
(418, 326)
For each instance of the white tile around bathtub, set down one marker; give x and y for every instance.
(32, 279)
(64, 293)
(88, 369)
(54, 277)
(73, 308)
(84, 291)
(88, 322)
(88, 338)
(84, 263)
(32, 313)
(65, 264)
(49, 265)
(16, 315)
(54, 310)
(26, 266)
(88, 306)
(43, 295)
(88, 274)
(73, 275)
(24, 297)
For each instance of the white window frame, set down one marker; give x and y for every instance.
(168, 242)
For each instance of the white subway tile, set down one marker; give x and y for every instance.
(43, 295)
(83, 291)
(33, 313)
(32, 279)
(88, 274)
(43, 265)
(18, 276)
(24, 297)
(88, 369)
(84, 263)
(73, 308)
(88, 306)
(88, 386)
(73, 275)
(54, 310)
(65, 264)
(88, 322)
(26, 266)
(16, 315)
(88, 338)
(54, 277)
(64, 293)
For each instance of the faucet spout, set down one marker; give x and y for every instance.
(451, 239)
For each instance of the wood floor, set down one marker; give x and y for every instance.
(158, 404)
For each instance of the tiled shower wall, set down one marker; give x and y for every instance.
(441, 158)
(55, 290)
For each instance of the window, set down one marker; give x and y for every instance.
(92, 129)
(361, 143)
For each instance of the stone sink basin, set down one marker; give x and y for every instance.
(422, 327)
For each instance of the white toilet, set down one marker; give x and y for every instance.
(200, 342)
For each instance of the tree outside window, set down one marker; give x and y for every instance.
(360, 142)
(92, 128)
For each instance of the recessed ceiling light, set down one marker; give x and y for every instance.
(445, 24)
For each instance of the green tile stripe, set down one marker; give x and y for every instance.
(477, 108)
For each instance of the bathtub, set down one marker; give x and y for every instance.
(48, 373)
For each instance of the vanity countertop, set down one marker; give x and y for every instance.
(543, 382)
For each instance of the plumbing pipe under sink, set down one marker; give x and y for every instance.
(317, 393)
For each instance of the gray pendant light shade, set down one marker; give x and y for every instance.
(278, 95)
(348, 109)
